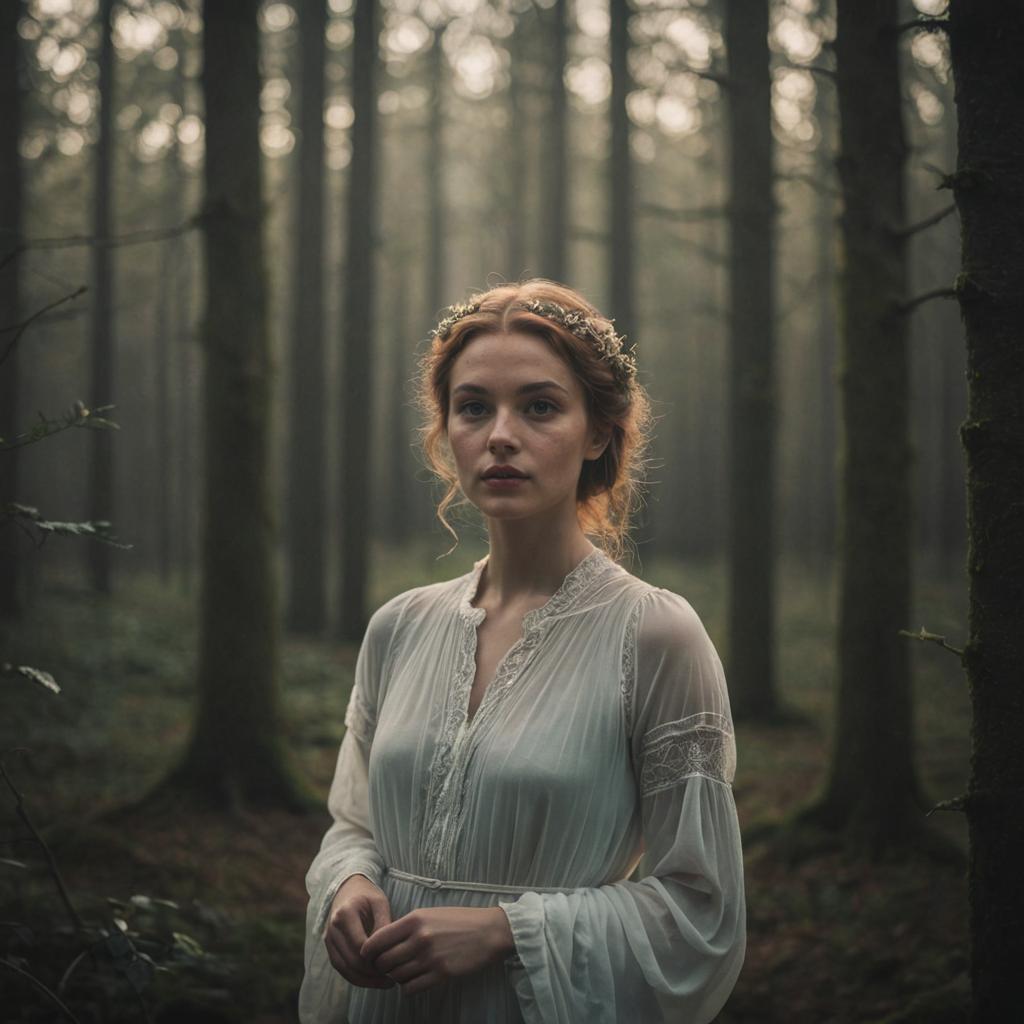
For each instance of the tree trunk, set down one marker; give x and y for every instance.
(555, 176)
(436, 284)
(236, 755)
(752, 403)
(987, 41)
(102, 345)
(621, 219)
(358, 339)
(872, 790)
(307, 596)
(11, 602)
(515, 144)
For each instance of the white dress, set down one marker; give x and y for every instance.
(605, 735)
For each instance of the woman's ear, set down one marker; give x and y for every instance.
(600, 438)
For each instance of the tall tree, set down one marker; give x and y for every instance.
(555, 152)
(514, 205)
(620, 167)
(307, 595)
(358, 329)
(236, 753)
(872, 791)
(987, 40)
(435, 176)
(10, 303)
(102, 345)
(752, 387)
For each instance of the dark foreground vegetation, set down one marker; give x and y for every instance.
(217, 902)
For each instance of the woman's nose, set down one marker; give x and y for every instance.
(502, 431)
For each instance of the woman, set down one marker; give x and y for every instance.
(518, 737)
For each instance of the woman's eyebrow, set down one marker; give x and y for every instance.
(539, 385)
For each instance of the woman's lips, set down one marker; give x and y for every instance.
(504, 483)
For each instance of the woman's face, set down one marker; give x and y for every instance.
(514, 402)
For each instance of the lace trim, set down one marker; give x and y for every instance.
(700, 744)
(444, 805)
(627, 679)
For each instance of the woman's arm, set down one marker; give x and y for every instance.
(667, 948)
(348, 847)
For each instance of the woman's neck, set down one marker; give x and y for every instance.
(527, 562)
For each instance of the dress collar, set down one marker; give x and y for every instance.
(575, 582)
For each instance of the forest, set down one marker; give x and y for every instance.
(227, 230)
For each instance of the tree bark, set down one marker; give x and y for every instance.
(621, 212)
(102, 342)
(555, 153)
(435, 153)
(307, 595)
(752, 399)
(358, 338)
(872, 791)
(11, 602)
(987, 40)
(236, 754)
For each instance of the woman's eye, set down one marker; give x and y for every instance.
(545, 402)
(466, 407)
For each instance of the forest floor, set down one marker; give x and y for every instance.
(832, 938)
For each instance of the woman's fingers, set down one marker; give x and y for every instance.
(349, 964)
(392, 960)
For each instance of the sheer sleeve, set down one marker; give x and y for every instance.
(348, 847)
(668, 947)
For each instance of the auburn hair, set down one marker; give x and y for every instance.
(610, 487)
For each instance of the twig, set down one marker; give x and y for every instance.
(923, 225)
(4, 962)
(19, 807)
(938, 293)
(934, 638)
(957, 803)
(22, 327)
(139, 237)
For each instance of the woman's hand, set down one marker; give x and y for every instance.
(432, 945)
(358, 910)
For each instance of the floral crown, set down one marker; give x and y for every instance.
(608, 344)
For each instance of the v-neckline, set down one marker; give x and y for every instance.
(474, 616)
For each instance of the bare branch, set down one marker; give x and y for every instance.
(958, 803)
(139, 237)
(22, 327)
(934, 638)
(19, 807)
(923, 225)
(938, 293)
(697, 213)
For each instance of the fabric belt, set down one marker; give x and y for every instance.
(437, 883)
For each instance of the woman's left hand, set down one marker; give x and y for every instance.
(435, 944)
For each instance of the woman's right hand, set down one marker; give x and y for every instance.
(358, 910)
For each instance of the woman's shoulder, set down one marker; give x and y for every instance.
(415, 604)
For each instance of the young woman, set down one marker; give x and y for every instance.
(519, 737)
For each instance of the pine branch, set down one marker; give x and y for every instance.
(934, 638)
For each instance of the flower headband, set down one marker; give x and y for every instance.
(606, 341)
